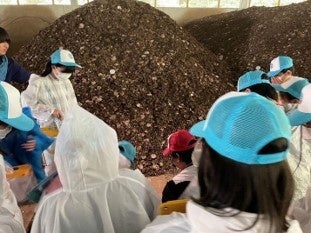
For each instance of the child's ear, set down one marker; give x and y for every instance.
(289, 72)
(295, 101)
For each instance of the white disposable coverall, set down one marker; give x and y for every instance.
(11, 220)
(199, 220)
(96, 196)
(299, 160)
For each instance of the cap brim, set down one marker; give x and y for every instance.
(278, 87)
(166, 152)
(198, 129)
(273, 73)
(299, 118)
(70, 64)
(22, 122)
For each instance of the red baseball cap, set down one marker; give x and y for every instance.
(179, 141)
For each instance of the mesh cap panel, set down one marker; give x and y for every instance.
(239, 126)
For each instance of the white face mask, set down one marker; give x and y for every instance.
(64, 76)
(306, 133)
(289, 108)
(60, 75)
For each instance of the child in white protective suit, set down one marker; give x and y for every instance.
(95, 196)
(245, 181)
(11, 220)
(300, 119)
(299, 158)
(127, 154)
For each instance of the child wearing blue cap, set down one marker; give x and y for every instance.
(127, 154)
(51, 94)
(300, 119)
(285, 82)
(290, 92)
(281, 69)
(300, 148)
(245, 181)
(21, 140)
(257, 81)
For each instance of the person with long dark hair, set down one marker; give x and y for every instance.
(51, 94)
(245, 182)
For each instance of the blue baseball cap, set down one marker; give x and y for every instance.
(292, 86)
(11, 108)
(302, 114)
(278, 64)
(127, 149)
(63, 57)
(251, 78)
(240, 124)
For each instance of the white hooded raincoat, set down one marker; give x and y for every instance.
(95, 197)
(11, 220)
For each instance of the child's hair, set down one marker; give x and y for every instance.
(261, 189)
(4, 36)
(287, 96)
(265, 90)
(184, 156)
(291, 69)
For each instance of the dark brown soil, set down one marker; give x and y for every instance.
(142, 73)
(254, 36)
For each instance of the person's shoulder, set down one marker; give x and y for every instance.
(173, 223)
(34, 78)
(12, 62)
(52, 198)
(294, 227)
(132, 174)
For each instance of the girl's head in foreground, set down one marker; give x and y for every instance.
(244, 142)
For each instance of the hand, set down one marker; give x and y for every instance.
(277, 80)
(58, 114)
(281, 77)
(30, 144)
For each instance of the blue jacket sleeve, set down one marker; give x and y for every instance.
(42, 140)
(16, 73)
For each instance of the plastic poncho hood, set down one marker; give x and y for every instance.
(96, 195)
(82, 161)
(11, 219)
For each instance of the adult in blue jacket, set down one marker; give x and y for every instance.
(10, 71)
